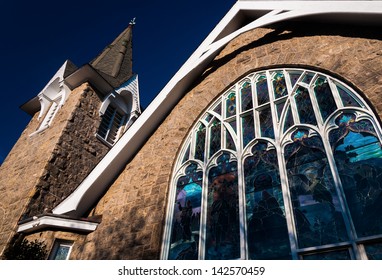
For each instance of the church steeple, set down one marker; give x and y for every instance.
(115, 61)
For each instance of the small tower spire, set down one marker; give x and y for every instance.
(114, 63)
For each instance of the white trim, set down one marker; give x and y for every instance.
(39, 223)
(102, 175)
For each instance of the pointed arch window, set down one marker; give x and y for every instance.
(287, 165)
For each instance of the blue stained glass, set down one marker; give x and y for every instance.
(248, 129)
(324, 97)
(200, 142)
(316, 207)
(279, 85)
(215, 137)
(222, 240)
(186, 216)
(304, 106)
(279, 108)
(246, 97)
(266, 222)
(358, 156)
(266, 124)
(231, 105)
(232, 123)
(262, 90)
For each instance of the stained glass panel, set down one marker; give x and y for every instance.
(324, 97)
(186, 154)
(288, 123)
(304, 106)
(374, 251)
(232, 123)
(308, 77)
(248, 129)
(347, 98)
(262, 90)
(294, 76)
(266, 124)
(279, 85)
(333, 255)
(246, 97)
(186, 216)
(279, 108)
(317, 211)
(218, 109)
(230, 104)
(200, 142)
(215, 137)
(266, 222)
(230, 143)
(223, 233)
(358, 156)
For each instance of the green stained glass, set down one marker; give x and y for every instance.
(230, 105)
(279, 85)
(248, 129)
(215, 137)
(262, 90)
(324, 97)
(200, 142)
(246, 97)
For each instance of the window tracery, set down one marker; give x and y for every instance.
(288, 163)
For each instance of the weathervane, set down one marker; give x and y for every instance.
(132, 22)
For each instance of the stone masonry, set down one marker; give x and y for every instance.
(44, 168)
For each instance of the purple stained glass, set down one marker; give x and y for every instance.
(200, 142)
(266, 124)
(324, 97)
(186, 215)
(267, 236)
(248, 129)
(279, 85)
(232, 123)
(230, 105)
(346, 97)
(304, 106)
(246, 97)
(215, 137)
(262, 90)
(223, 223)
(218, 109)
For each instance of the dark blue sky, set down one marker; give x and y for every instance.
(37, 37)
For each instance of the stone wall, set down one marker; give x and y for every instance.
(134, 208)
(42, 169)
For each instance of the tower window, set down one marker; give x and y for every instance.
(111, 125)
(61, 250)
(283, 165)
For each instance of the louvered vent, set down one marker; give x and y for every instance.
(111, 124)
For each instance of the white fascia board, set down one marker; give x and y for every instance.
(43, 222)
(109, 167)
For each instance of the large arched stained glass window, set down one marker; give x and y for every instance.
(286, 164)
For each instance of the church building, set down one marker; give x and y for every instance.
(266, 144)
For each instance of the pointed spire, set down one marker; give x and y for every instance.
(115, 61)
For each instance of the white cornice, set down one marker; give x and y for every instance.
(54, 222)
(261, 13)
